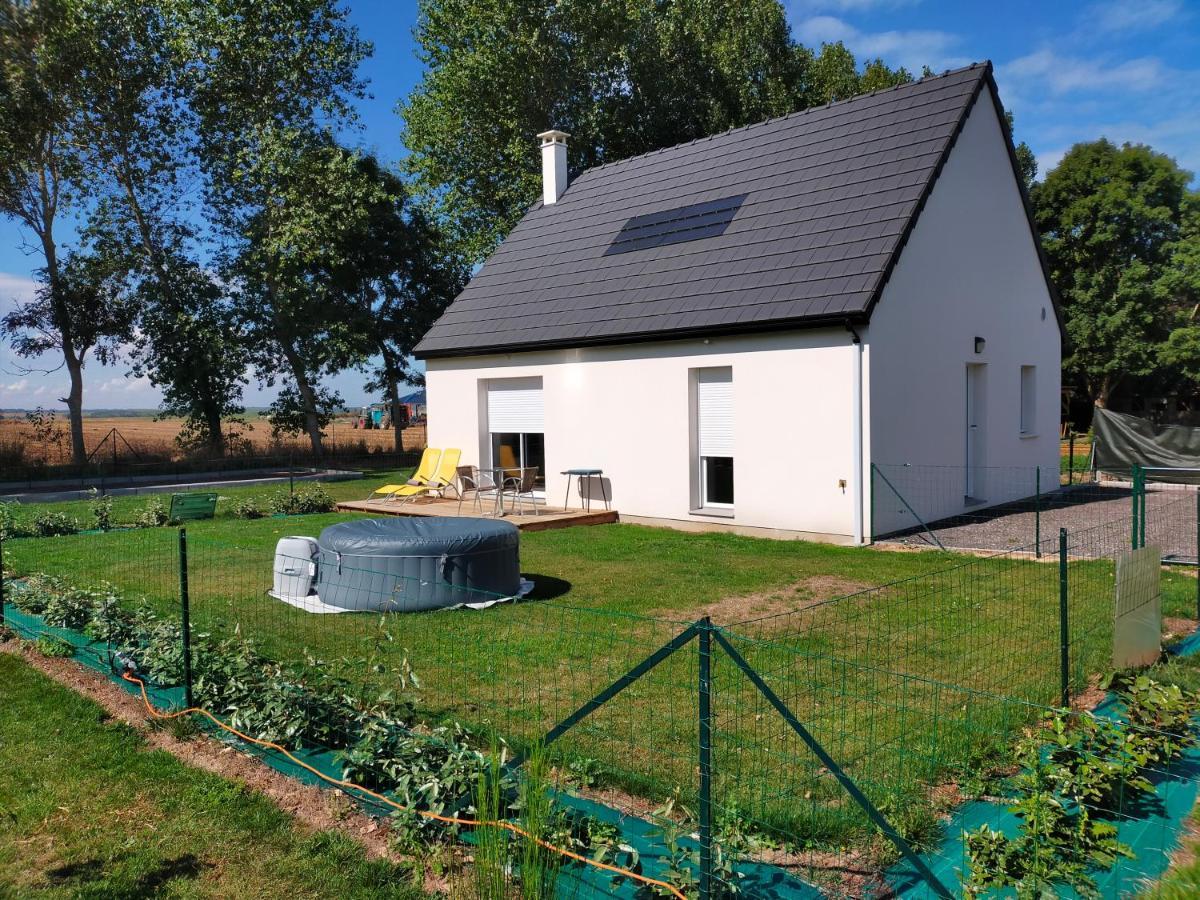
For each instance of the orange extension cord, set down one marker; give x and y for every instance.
(349, 785)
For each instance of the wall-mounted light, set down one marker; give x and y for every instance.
(980, 343)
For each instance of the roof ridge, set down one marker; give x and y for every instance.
(984, 65)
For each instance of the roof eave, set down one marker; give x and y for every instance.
(806, 323)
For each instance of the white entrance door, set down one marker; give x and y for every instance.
(976, 436)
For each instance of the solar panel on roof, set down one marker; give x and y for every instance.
(676, 226)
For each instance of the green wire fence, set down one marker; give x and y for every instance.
(819, 750)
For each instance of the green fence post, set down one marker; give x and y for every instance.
(1070, 456)
(1197, 554)
(705, 685)
(1133, 477)
(185, 623)
(1037, 514)
(1064, 636)
(1142, 509)
(2, 582)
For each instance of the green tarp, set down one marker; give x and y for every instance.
(1122, 441)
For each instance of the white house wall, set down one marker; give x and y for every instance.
(626, 410)
(970, 269)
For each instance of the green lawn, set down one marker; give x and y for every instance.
(905, 684)
(126, 507)
(87, 810)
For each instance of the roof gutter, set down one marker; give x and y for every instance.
(806, 323)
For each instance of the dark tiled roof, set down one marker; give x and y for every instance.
(827, 197)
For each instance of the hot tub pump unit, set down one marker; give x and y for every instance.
(296, 561)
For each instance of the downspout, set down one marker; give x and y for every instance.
(856, 431)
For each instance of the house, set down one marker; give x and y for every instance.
(737, 328)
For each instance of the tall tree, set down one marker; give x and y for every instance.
(297, 325)
(190, 347)
(137, 134)
(86, 311)
(1111, 220)
(622, 77)
(396, 270)
(270, 82)
(40, 169)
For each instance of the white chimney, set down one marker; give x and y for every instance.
(554, 165)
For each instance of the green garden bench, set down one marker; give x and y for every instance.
(193, 506)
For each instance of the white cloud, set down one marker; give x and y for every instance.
(1123, 16)
(913, 49)
(1046, 70)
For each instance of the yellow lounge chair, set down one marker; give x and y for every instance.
(444, 477)
(425, 470)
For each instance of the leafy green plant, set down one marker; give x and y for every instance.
(1092, 760)
(54, 647)
(1056, 845)
(153, 515)
(1074, 770)
(102, 510)
(1161, 715)
(245, 508)
(304, 500)
(53, 524)
(11, 523)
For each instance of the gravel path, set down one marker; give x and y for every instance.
(1098, 519)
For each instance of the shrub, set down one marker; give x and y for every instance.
(71, 608)
(306, 499)
(102, 506)
(155, 514)
(11, 525)
(53, 647)
(245, 508)
(51, 524)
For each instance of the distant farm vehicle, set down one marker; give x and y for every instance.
(377, 416)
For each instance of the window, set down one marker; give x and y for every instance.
(516, 424)
(1029, 400)
(714, 436)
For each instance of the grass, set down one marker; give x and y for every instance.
(90, 811)
(126, 507)
(905, 684)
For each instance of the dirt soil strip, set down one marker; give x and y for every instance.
(314, 808)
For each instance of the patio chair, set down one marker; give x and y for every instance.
(425, 470)
(443, 478)
(520, 487)
(472, 481)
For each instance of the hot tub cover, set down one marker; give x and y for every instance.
(426, 535)
(411, 564)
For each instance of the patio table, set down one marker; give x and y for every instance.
(579, 475)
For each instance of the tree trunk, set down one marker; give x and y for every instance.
(308, 396)
(71, 359)
(74, 401)
(392, 388)
(212, 423)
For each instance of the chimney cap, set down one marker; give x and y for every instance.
(553, 136)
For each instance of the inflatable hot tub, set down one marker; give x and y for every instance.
(413, 564)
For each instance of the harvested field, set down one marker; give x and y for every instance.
(151, 439)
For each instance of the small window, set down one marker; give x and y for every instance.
(1028, 400)
(714, 432)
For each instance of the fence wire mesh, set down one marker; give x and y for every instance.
(924, 695)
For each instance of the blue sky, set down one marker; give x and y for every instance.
(1070, 72)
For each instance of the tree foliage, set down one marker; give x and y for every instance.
(622, 78)
(1120, 230)
(44, 45)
